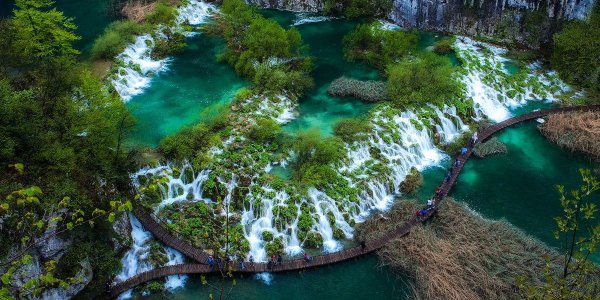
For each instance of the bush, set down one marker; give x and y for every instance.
(412, 182)
(443, 47)
(115, 38)
(261, 49)
(350, 129)
(378, 47)
(265, 130)
(369, 91)
(427, 79)
(354, 9)
(314, 157)
(174, 44)
(576, 52)
(162, 14)
(186, 143)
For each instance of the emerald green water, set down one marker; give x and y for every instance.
(360, 278)
(194, 82)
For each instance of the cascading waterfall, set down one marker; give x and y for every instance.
(138, 66)
(304, 18)
(491, 88)
(135, 259)
(399, 140)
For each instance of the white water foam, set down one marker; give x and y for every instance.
(138, 65)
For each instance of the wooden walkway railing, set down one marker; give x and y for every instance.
(320, 260)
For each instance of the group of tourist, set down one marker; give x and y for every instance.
(439, 192)
(275, 260)
(229, 259)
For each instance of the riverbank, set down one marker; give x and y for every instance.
(461, 255)
(574, 131)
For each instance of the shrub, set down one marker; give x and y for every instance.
(275, 247)
(115, 38)
(314, 157)
(186, 143)
(350, 129)
(162, 14)
(425, 79)
(576, 51)
(443, 47)
(378, 47)
(261, 49)
(369, 91)
(174, 44)
(265, 130)
(412, 182)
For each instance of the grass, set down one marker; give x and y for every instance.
(460, 255)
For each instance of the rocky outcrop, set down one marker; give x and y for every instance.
(83, 277)
(526, 22)
(122, 239)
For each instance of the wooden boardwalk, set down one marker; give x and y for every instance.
(198, 255)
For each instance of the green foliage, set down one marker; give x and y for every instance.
(43, 32)
(115, 38)
(576, 51)
(426, 79)
(355, 9)
(378, 47)
(275, 247)
(61, 132)
(260, 49)
(578, 279)
(314, 159)
(189, 142)
(173, 44)
(162, 14)
(352, 129)
(265, 130)
(443, 47)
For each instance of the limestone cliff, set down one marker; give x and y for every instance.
(525, 22)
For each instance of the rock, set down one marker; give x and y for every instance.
(25, 273)
(122, 227)
(53, 247)
(84, 276)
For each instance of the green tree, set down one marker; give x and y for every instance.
(576, 52)
(577, 277)
(377, 46)
(426, 79)
(43, 32)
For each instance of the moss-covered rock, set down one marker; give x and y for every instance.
(490, 147)
(412, 182)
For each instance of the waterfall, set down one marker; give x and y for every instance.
(374, 167)
(493, 91)
(135, 259)
(136, 63)
(305, 18)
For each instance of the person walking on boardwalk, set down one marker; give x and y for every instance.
(279, 259)
(363, 245)
(241, 261)
(429, 204)
(270, 264)
(219, 262)
(251, 260)
(418, 216)
(307, 257)
(473, 139)
(438, 192)
(274, 259)
(210, 261)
